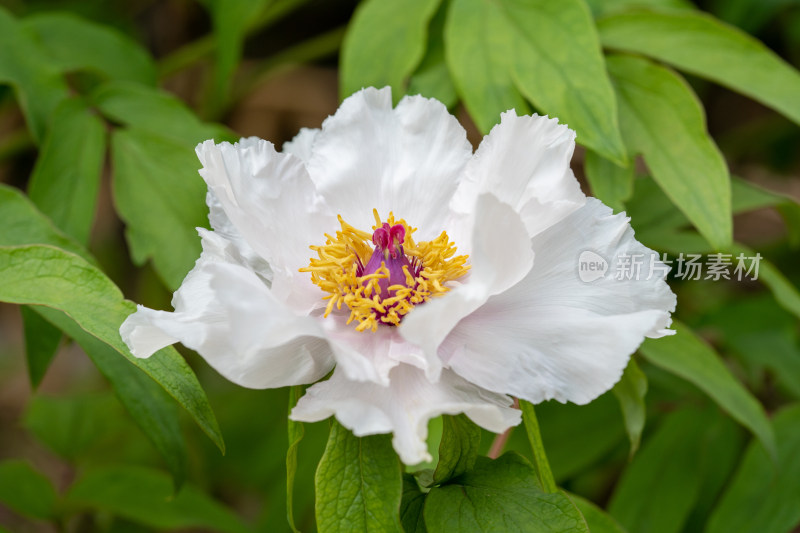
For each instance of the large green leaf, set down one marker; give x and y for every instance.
(48, 276)
(762, 498)
(24, 224)
(458, 448)
(385, 42)
(161, 198)
(155, 181)
(148, 404)
(500, 495)
(479, 51)
(554, 59)
(66, 178)
(38, 83)
(358, 483)
(73, 43)
(630, 392)
(686, 355)
(432, 78)
(657, 492)
(656, 105)
(145, 496)
(704, 46)
(560, 68)
(25, 490)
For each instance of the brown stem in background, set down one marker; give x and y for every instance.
(500, 441)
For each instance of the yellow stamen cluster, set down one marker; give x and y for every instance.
(335, 271)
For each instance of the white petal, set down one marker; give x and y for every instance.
(271, 201)
(404, 407)
(553, 336)
(301, 145)
(407, 160)
(500, 255)
(228, 315)
(524, 161)
(230, 241)
(370, 356)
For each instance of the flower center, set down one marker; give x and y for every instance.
(398, 274)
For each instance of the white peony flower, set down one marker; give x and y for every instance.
(430, 279)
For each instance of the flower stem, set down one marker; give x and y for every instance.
(539, 456)
(500, 441)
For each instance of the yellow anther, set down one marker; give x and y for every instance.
(335, 271)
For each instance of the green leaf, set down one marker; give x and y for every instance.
(73, 43)
(37, 82)
(458, 449)
(296, 432)
(551, 52)
(161, 198)
(630, 392)
(155, 111)
(24, 224)
(411, 506)
(761, 498)
(704, 46)
(385, 42)
(500, 495)
(41, 343)
(559, 67)
(566, 428)
(149, 406)
(43, 275)
(604, 7)
(540, 462)
(479, 51)
(655, 105)
(66, 178)
(598, 520)
(145, 496)
(432, 78)
(25, 490)
(686, 355)
(358, 483)
(658, 490)
(610, 183)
